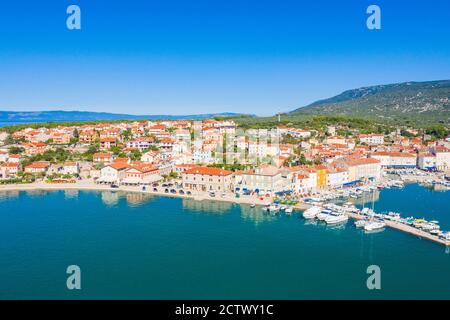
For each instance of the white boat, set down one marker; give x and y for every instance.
(333, 219)
(289, 210)
(311, 213)
(360, 223)
(273, 208)
(322, 215)
(283, 208)
(374, 225)
(252, 205)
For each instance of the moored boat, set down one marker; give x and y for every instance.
(311, 213)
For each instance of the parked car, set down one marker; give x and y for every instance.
(173, 191)
(166, 190)
(212, 194)
(189, 193)
(114, 186)
(155, 189)
(181, 192)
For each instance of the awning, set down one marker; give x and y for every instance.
(352, 183)
(105, 180)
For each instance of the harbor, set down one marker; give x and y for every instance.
(151, 250)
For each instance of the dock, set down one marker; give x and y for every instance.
(406, 228)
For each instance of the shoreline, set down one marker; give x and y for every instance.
(200, 196)
(91, 186)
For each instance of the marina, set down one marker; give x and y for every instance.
(122, 235)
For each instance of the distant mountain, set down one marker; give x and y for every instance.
(410, 101)
(61, 116)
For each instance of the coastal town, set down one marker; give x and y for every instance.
(281, 168)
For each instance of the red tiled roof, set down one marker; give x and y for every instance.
(208, 171)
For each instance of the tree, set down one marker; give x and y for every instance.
(16, 150)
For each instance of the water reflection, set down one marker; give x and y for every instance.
(134, 199)
(206, 206)
(71, 193)
(256, 214)
(110, 198)
(10, 194)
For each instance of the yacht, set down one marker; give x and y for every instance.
(311, 213)
(360, 223)
(323, 214)
(332, 219)
(374, 225)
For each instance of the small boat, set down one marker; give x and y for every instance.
(282, 208)
(311, 213)
(252, 205)
(360, 223)
(374, 225)
(333, 219)
(289, 210)
(322, 215)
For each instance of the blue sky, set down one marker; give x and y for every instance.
(203, 56)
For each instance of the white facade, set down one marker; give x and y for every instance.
(426, 162)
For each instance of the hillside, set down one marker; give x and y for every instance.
(416, 102)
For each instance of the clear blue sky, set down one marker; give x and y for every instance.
(201, 56)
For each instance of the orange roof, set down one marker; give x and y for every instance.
(362, 161)
(394, 154)
(10, 164)
(208, 171)
(39, 165)
(102, 155)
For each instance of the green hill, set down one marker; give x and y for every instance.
(413, 102)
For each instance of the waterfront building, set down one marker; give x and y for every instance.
(337, 177)
(113, 173)
(360, 169)
(266, 179)
(9, 170)
(396, 160)
(141, 173)
(208, 179)
(442, 157)
(426, 161)
(71, 167)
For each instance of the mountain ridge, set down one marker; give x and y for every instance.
(413, 101)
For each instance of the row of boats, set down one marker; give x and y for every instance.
(275, 208)
(334, 214)
(370, 220)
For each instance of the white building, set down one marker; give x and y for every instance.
(71, 168)
(266, 179)
(426, 161)
(113, 173)
(373, 138)
(337, 177)
(398, 160)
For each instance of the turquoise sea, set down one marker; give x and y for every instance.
(137, 246)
